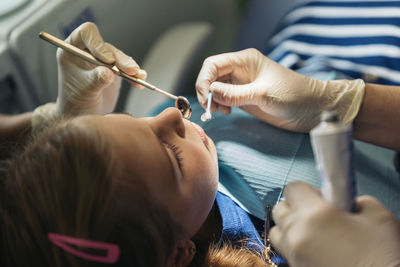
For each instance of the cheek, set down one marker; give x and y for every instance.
(198, 187)
(203, 167)
(202, 177)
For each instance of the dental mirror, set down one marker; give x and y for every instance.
(183, 105)
(181, 102)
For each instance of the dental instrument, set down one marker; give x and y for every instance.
(267, 242)
(206, 116)
(332, 144)
(181, 103)
(267, 226)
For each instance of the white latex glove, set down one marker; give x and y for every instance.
(274, 93)
(311, 232)
(84, 88)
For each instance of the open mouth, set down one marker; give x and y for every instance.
(202, 134)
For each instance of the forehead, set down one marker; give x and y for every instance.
(137, 150)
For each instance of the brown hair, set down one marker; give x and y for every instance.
(68, 182)
(228, 255)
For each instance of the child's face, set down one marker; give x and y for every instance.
(172, 156)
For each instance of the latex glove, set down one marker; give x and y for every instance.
(274, 93)
(311, 232)
(84, 88)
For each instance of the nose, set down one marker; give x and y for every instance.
(169, 121)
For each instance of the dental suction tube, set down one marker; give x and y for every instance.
(332, 144)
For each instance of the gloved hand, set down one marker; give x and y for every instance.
(311, 232)
(274, 93)
(84, 88)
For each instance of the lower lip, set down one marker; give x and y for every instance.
(201, 132)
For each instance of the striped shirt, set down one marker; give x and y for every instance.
(360, 39)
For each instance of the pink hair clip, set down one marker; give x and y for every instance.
(64, 242)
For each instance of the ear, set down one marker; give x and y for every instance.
(183, 254)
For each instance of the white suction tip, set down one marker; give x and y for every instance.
(206, 116)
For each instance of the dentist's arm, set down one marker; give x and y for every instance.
(378, 121)
(84, 88)
(295, 102)
(273, 93)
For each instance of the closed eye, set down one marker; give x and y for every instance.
(177, 153)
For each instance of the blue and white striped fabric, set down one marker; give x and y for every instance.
(360, 39)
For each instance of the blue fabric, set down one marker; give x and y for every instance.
(238, 227)
(236, 224)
